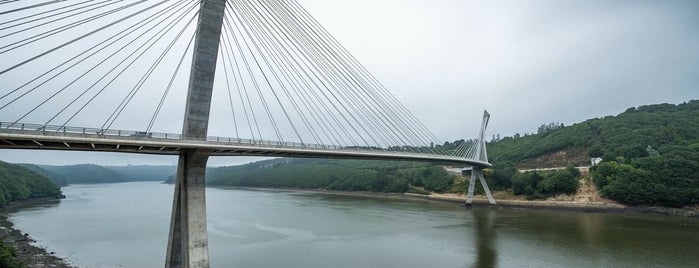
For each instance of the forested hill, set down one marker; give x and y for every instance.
(650, 153)
(631, 134)
(331, 174)
(86, 173)
(19, 183)
(144, 172)
(56, 178)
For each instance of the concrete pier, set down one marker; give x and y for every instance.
(188, 241)
(477, 174)
(188, 245)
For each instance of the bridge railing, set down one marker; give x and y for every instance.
(85, 131)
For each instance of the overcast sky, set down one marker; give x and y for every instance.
(526, 62)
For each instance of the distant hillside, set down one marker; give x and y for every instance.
(56, 178)
(19, 183)
(331, 174)
(144, 172)
(650, 153)
(86, 173)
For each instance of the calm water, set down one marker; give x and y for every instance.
(126, 225)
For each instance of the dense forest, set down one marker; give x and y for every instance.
(144, 172)
(19, 183)
(86, 173)
(650, 153)
(56, 178)
(346, 175)
(544, 184)
(384, 176)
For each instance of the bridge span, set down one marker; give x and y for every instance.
(40, 137)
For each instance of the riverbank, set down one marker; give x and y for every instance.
(481, 201)
(30, 255)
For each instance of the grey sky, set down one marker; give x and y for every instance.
(526, 62)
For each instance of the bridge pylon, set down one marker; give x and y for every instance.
(188, 245)
(477, 172)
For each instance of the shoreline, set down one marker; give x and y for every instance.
(32, 256)
(478, 201)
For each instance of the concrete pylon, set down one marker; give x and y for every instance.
(188, 245)
(477, 172)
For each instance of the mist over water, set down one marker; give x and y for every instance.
(126, 225)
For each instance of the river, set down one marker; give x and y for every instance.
(126, 225)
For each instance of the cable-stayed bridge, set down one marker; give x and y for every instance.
(263, 76)
(35, 136)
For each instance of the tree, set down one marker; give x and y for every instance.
(549, 127)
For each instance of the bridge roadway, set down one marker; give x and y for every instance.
(35, 136)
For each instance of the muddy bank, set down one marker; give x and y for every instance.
(31, 255)
(589, 207)
(505, 204)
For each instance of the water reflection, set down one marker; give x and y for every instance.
(484, 220)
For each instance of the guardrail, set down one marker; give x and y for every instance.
(69, 130)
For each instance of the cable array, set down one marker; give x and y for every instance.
(282, 76)
(307, 86)
(81, 69)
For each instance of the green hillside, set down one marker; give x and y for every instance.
(650, 153)
(19, 183)
(144, 172)
(86, 173)
(349, 175)
(661, 126)
(56, 178)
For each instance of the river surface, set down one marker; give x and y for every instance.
(126, 225)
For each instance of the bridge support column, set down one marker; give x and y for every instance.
(477, 174)
(188, 245)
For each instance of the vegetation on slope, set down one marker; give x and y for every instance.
(56, 178)
(8, 256)
(86, 173)
(349, 175)
(144, 172)
(19, 183)
(650, 153)
(544, 184)
(627, 135)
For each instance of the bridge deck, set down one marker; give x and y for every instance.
(30, 136)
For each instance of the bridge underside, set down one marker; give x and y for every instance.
(37, 140)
